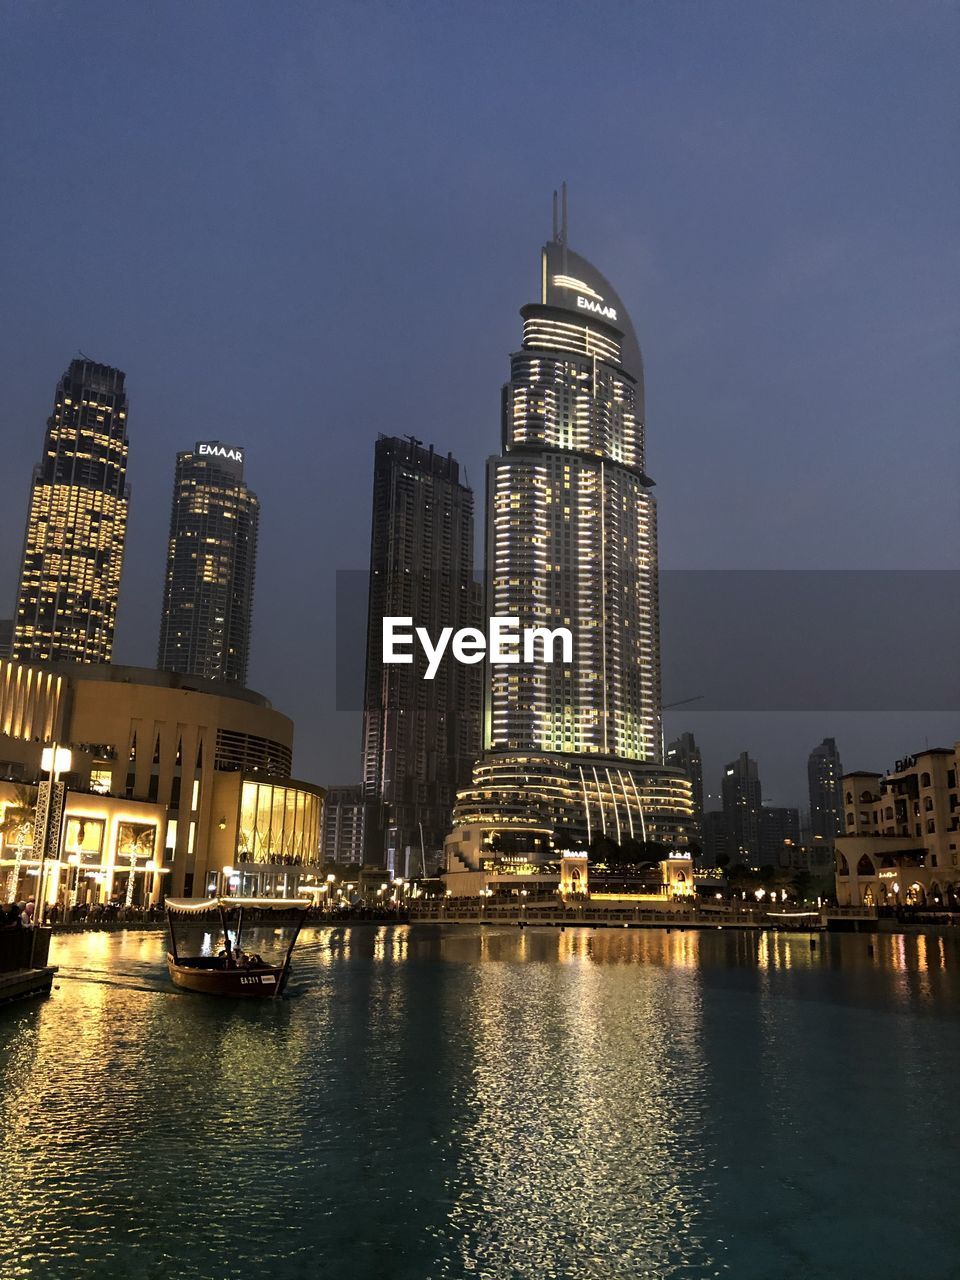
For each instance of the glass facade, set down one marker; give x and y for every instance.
(576, 749)
(420, 737)
(278, 824)
(211, 563)
(571, 528)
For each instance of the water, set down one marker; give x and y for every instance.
(434, 1103)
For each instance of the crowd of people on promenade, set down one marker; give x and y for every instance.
(23, 915)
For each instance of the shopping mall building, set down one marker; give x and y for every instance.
(173, 785)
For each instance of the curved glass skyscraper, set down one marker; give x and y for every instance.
(572, 541)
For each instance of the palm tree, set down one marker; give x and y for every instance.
(19, 818)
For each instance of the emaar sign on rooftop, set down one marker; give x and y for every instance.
(214, 449)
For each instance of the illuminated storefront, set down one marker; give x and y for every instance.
(111, 850)
(266, 838)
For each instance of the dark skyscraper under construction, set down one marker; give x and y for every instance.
(420, 736)
(824, 772)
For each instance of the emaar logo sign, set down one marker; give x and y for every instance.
(505, 643)
(588, 304)
(220, 451)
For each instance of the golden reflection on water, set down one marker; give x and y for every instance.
(580, 1092)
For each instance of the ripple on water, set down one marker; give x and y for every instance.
(434, 1104)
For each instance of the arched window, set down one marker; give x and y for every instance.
(931, 827)
(865, 867)
(924, 779)
(865, 797)
(849, 819)
(928, 804)
(849, 797)
(843, 867)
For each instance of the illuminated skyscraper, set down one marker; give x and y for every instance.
(420, 736)
(73, 548)
(211, 564)
(575, 750)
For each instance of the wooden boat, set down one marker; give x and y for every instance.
(232, 972)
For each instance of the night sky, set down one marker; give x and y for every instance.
(297, 225)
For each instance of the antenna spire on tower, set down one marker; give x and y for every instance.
(560, 215)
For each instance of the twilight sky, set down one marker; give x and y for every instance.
(295, 225)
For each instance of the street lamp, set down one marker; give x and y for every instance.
(54, 760)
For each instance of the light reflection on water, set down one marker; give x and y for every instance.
(436, 1103)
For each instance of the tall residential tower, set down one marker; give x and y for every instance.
(211, 564)
(76, 526)
(824, 772)
(420, 736)
(573, 751)
(683, 753)
(742, 802)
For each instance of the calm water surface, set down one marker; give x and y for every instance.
(434, 1103)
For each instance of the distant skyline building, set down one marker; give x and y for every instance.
(779, 829)
(684, 753)
(76, 525)
(211, 566)
(824, 774)
(342, 832)
(572, 751)
(742, 801)
(715, 842)
(420, 737)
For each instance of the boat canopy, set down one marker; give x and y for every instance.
(199, 906)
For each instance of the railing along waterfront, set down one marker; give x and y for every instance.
(559, 914)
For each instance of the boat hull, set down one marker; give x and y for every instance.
(261, 983)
